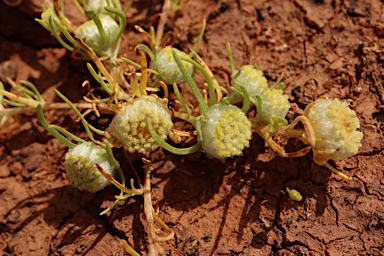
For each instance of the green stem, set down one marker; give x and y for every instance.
(57, 36)
(137, 65)
(211, 86)
(230, 57)
(99, 26)
(67, 133)
(37, 94)
(146, 49)
(246, 102)
(200, 36)
(83, 121)
(181, 99)
(56, 134)
(168, 147)
(203, 106)
(107, 88)
(123, 19)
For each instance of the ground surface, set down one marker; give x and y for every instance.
(240, 207)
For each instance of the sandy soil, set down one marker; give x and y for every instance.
(240, 207)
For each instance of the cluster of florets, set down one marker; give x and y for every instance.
(226, 131)
(335, 126)
(273, 103)
(167, 66)
(80, 166)
(251, 79)
(130, 128)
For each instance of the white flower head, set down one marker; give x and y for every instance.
(93, 39)
(130, 128)
(81, 170)
(167, 67)
(98, 6)
(44, 21)
(335, 126)
(251, 79)
(226, 131)
(273, 103)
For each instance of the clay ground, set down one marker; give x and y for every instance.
(240, 207)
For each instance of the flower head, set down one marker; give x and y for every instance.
(167, 66)
(251, 79)
(102, 46)
(81, 170)
(44, 21)
(98, 6)
(130, 128)
(273, 103)
(335, 126)
(226, 131)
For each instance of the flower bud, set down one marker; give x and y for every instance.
(98, 6)
(81, 170)
(273, 103)
(251, 79)
(167, 66)
(44, 21)
(89, 31)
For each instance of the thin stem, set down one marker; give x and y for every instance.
(107, 88)
(144, 74)
(335, 171)
(52, 131)
(137, 65)
(162, 22)
(34, 89)
(168, 147)
(83, 121)
(181, 99)
(200, 36)
(128, 248)
(99, 26)
(132, 192)
(67, 133)
(203, 106)
(61, 17)
(146, 49)
(246, 102)
(211, 87)
(123, 19)
(230, 57)
(28, 102)
(120, 93)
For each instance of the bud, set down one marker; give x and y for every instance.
(81, 170)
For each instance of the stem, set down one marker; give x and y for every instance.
(61, 17)
(123, 19)
(247, 102)
(203, 106)
(168, 147)
(181, 99)
(230, 57)
(162, 22)
(83, 121)
(211, 87)
(99, 26)
(342, 175)
(200, 36)
(52, 131)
